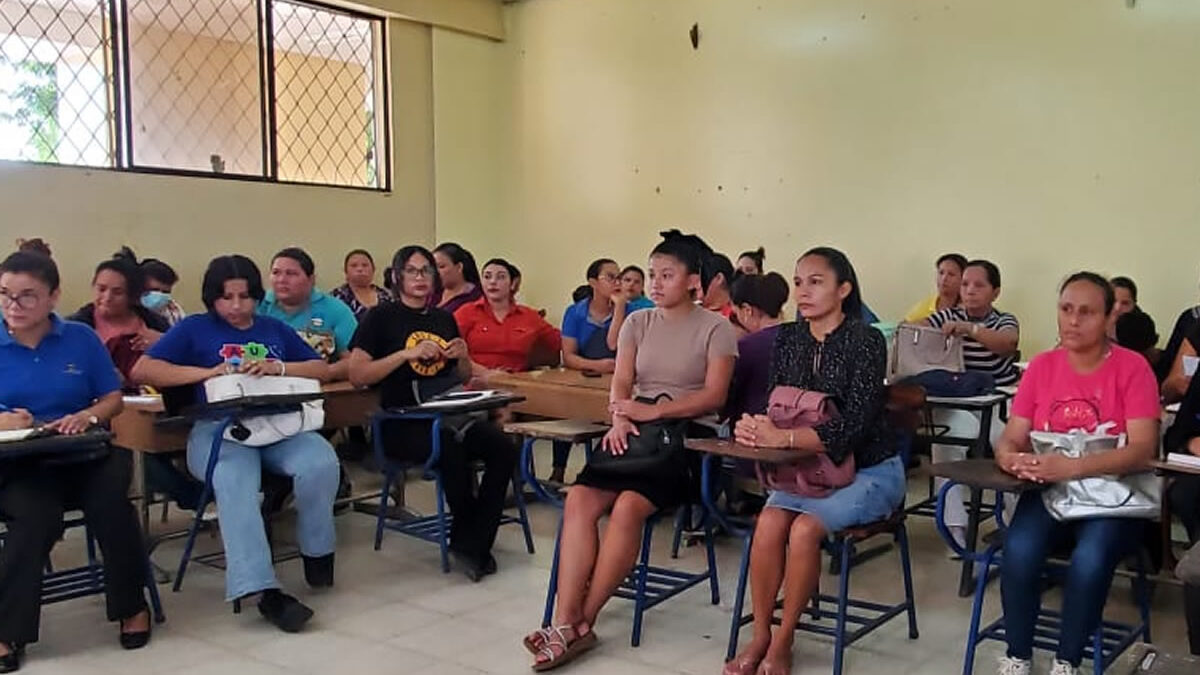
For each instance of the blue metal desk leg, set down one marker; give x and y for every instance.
(205, 494)
(552, 585)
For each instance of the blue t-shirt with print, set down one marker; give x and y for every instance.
(325, 323)
(65, 373)
(206, 340)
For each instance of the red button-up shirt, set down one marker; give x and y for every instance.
(504, 345)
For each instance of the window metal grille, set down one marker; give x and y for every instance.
(56, 82)
(262, 89)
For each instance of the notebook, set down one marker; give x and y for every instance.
(15, 435)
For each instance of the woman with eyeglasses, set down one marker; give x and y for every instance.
(58, 375)
(414, 352)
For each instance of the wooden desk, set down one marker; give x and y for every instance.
(1168, 468)
(558, 393)
(135, 428)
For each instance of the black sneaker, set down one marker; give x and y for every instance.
(489, 565)
(471, 566)
(281, 609)
(318, 572)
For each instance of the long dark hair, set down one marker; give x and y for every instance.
(125, 263)
(843, 272)
(397, 271)
(228, 268)
(767, 293)
(758, 255)
(1106, 287)
(33, 263)
(459, 256)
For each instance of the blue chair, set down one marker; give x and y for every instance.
(1109, 641)
(435, 528)
(646, 585)
(903, 409)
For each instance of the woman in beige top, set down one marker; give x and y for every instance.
(673, 362)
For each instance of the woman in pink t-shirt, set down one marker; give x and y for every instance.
(1084, 383)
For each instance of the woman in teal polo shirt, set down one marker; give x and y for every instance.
(58, 375)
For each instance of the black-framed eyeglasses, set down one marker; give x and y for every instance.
(24, 300)
(417, 272)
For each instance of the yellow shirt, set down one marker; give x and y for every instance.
(922, 310)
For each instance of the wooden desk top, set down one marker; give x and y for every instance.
(1170, 467)
(555, 376)
(572, 431)
(724, 448)
(980, 473)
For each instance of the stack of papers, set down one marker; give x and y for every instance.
(458, 398)
(15, 435)
(1186, 460)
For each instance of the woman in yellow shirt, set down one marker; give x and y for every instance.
(949, 284)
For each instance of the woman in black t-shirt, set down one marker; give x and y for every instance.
(414, 352)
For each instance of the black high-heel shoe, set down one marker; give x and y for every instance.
(140, 638)
(11, 662)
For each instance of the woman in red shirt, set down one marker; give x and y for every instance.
(501, 334)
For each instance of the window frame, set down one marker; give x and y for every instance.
(120, 105)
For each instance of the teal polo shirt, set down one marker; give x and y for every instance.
(65, 373)
(326, 323)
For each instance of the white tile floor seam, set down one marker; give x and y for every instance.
(393, 611)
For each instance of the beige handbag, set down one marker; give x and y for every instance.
(916, 349)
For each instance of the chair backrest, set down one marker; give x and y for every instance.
(903, 411)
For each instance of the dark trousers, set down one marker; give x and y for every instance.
(562, 451)
(476, 511)
(33, 498)
(1099, 545)
(1184, 497)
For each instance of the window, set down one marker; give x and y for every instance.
(280, 90)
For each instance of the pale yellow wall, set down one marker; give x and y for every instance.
(478, 17)
(1047, 135)
(86, 214)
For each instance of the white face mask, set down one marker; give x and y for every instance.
(155, 300)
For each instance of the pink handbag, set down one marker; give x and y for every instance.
(815, 475)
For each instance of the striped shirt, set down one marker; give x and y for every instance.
(975, 355)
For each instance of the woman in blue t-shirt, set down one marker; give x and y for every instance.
(201, 347)
(57, 375)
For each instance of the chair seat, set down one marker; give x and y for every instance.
(569, 431)
(857, 533)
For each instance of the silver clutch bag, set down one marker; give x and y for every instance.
(1137, 495)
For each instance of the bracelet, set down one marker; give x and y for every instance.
(974, 329)
(282, 368)
(791, 439)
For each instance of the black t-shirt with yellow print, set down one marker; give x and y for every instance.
(394, 326)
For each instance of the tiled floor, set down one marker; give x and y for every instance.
(393, 611)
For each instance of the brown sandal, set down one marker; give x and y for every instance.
(535, 640)
(560, 651)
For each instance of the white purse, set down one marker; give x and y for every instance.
(267, 429)
(1137, 495)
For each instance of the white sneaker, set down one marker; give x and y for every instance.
(1063, 668)
(1010, 666)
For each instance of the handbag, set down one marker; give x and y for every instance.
(1137, 495)
(953, 385)
(261, 430)
(916, 349)
(658, 445)
(814, 475)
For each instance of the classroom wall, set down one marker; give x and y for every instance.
(1047, 135)
(86, 214)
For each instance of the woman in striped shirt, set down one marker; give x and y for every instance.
(990, 340)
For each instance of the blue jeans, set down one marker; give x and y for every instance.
(307, 459)
(1100, 544)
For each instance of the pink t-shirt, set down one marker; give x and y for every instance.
(1059, 399)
